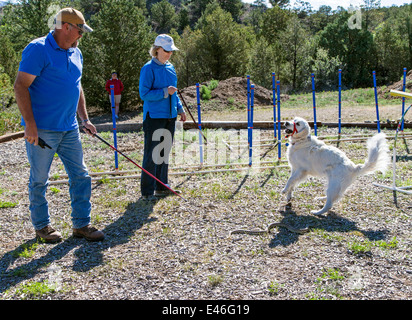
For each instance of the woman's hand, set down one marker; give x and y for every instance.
(183, 117)
(171, 90)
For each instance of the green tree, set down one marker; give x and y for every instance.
(183, 18)
(354, 47)
(326, 70)
(262, 63)
(6, 91)
(223, 46)
(302, 8)
(187, 64)
(392, 53)
(163, 16)
(120, 42)
(405, 30)
(28, 20)
(320, 19)
(275, 21)
(196, 9)
(369, 12)
(254, 16)
(295, 45)
(8, 57)
(279, 3)
(232, 6)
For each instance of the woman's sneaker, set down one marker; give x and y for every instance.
(165, 193)
(149, 198)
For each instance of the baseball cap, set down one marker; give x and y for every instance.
(166, 42)
(74, 17)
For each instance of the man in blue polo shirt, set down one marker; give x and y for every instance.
(49, 94)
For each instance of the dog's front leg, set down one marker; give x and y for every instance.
(295, 177)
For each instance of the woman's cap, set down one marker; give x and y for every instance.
(166, 42)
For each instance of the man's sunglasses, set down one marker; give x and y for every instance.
(77, 26)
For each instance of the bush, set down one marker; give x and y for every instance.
(10, 120)
(6, 90)
(205, 93)
(213, 84)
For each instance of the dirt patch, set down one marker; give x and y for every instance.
(385, 92)
(233, 88)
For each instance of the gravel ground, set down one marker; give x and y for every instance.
(175, 249)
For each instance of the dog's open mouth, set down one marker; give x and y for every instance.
(288, 131)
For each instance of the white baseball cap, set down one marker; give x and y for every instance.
(166, 42)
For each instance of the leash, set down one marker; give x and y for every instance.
(269, 227)
(141, 168)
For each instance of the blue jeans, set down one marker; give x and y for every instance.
(67, 145)
(157, 145)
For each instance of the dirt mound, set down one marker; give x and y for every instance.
(233, 88)
(385, 93)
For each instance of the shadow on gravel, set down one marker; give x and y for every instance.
(88, 254)
(329, 223)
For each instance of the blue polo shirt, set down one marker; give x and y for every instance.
(55, 91)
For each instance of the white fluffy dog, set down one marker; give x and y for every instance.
(309, 156)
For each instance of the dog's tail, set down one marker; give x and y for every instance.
(378, 155)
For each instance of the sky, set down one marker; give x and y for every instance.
(344, 3)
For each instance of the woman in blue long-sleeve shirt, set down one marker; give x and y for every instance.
(157, 88)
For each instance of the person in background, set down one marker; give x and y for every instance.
(118, 88)
(157, 88)
(49, 93)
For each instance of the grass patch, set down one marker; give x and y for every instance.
(358, 247)
(26, 250)
(8, 204)
(214, 280)
(35, 290)
(353, 97)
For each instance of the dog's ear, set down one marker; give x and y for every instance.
(300, 124)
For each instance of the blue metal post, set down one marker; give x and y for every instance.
(314, 104)
(252, 98)
(248, 111)
(116, 163)
(199, 121)
(340, 100)
(376, 102)
(403, 98)
(274, 103)
(279, 135)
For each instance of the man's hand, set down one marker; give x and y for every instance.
(31, 135)
(22, 94)
(91, 129)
